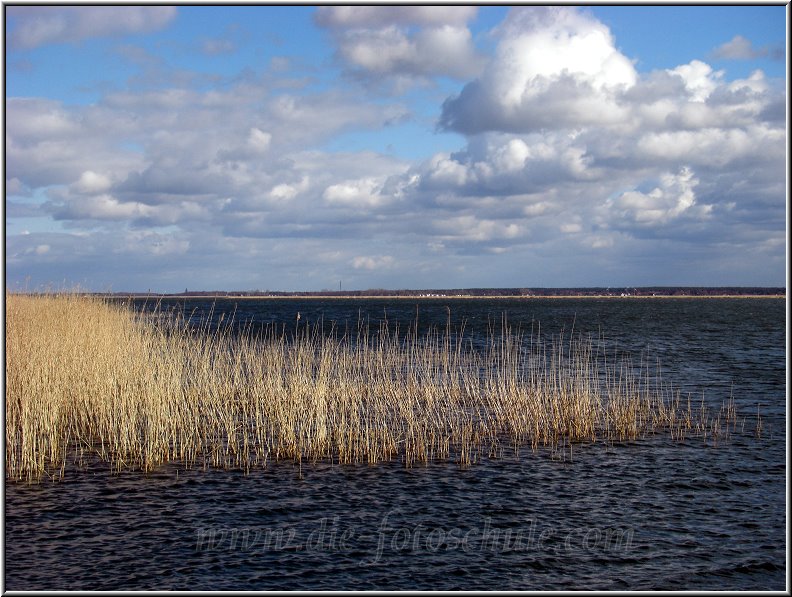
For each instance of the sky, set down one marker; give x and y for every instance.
(312, 148)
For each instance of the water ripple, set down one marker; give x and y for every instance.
(654, 514)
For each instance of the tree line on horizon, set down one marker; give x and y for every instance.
(462, 292)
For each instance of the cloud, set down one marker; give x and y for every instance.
(259, 140)
(443, 50)
(287, 192)
(14, 186)
(241, 160)
(152, 243)
(345, 17)
(499, 164)
(229, 41)
(573, 167)
(91, 183)
(34, 26)
(711, 147)
(739, 48)
(361, 193)
(554, 66)
(699, 79)
(105, 207)
(215, 47)
(674, 197)
(372, 262)
(42, 120)
(564, 135)
(406, 43)
(99, 207)
(469, 228)
(48, 143)
(570, 228)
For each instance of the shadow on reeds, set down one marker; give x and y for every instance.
(89, 380)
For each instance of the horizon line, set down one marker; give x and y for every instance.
(736, 290)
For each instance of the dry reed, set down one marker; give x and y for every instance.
(89, 380)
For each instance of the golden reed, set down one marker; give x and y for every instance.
(90, 380)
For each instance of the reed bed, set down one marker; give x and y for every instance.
(93, 381)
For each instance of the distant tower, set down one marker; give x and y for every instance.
(339, 286)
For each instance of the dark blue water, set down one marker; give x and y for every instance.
(650, 514)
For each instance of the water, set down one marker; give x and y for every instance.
(650, 514)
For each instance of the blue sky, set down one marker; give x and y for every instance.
(290, 148)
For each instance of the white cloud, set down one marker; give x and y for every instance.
(40, 119)
(538, 128)
(382, 16)
(471, 228)
(445, 50)
(542, 44)
(537, 209)
(554, 66)
(259, 140)
(512, 156)
(712, 147)
(48, 143)
(562, 156)
(600, 242)
(92, 183)
(673, 197)
(359, 193)
(89, 202)
(102, 207)
(309, 119)
(494, 164)
(287, 192)
(443, 169)
(35, 26)
(175, 156)
(754, 84)
(699, 78)
(408, 43)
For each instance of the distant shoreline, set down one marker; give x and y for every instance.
(510, 293)
(438, 297)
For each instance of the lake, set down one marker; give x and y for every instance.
(654, 513)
